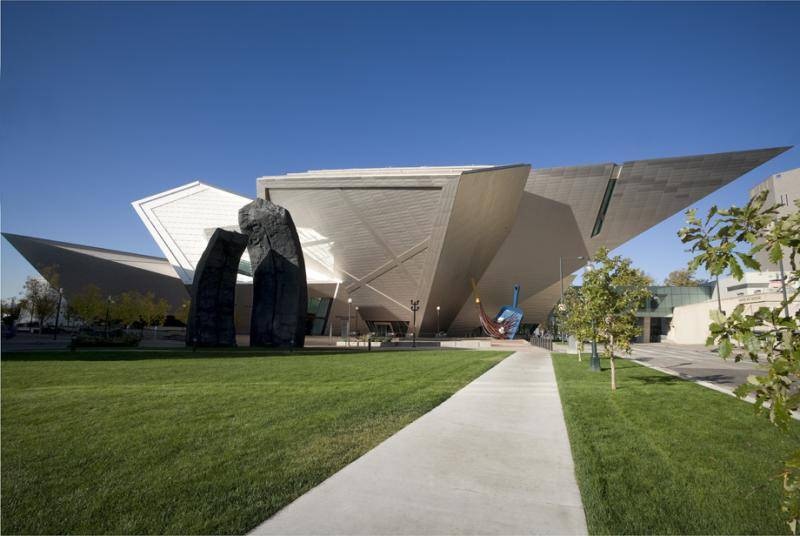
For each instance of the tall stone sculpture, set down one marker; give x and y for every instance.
(280, 294)
(213, 291)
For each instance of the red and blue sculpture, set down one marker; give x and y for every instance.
(506, 323)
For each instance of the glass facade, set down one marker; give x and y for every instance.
(318, 309)
(388, 328)
(655, 317)
(665, 299)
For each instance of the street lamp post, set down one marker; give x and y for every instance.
(108, 313)
(347, 337)
(783, 286)
(437, 320)
(594, 362)
(58, 312)
(414, 309)
(358, 324)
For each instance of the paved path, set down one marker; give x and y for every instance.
(27, 342)
(492, 459)
(696, 362)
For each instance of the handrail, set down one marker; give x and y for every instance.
(542, 342)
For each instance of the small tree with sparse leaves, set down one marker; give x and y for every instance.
(41, 295)
(682, 278)
(182, 312)
(614, 290)
(89, 304)
(728, 240)
(574, 317)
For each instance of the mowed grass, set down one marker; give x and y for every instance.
(666, 456)
(116, 442)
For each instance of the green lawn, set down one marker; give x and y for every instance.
(665, 456)
(133, 442)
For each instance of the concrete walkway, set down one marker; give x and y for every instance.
(492, 459)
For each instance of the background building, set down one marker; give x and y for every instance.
(782, 189)
(375, 239)
(756, 289)
(655, 318)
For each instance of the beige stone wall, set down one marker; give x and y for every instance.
(690, 322)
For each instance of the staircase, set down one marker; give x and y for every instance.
(514, 343)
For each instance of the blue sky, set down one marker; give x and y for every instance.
(101, 104)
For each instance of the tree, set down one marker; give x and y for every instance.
(89, 304)
(11, 311)
(648, 279)
(154, 311)
(128, 307)
(182, 313)
(682, 278)
(574, 317)
(728, 239)
(41, 294)
(614, 290)
(25, 307)
(133, 306)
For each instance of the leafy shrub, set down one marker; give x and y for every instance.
(90, 341)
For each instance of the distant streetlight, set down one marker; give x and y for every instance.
(437, 320)
(58, 311)
(414, 309)
(594, 362)
(783, 287)
(109, 301)
(357, 322)
(347, 337)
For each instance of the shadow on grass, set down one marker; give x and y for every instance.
(659, 380)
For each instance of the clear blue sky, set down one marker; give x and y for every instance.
(101, 104)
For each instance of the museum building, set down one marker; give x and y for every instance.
(373, 240)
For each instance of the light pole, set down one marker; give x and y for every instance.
(58, 312)
(108, 312)
(780, 264)
(594, 362)
(347, 337)
(414, 309)
(783, 286)
(358, 324)
(437, 320)
(561, 282)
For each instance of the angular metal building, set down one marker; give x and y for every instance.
(397, 234)
(383, 237)
(114, 272)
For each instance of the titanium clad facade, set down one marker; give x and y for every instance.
(397, 234)
(114, 272)
(385, 236)
(649, 191)
(566, 212)
(183, 219)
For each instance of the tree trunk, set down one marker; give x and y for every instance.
(613, 368)
(579, 353)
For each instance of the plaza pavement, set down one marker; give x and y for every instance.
(696, 362)
(492, 459)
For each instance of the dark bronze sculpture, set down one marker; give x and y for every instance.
(213, 291)
(280, 294)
